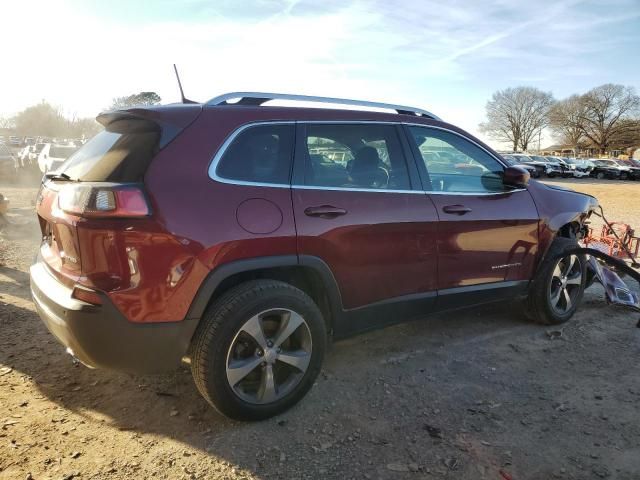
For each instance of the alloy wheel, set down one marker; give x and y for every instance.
(565, 284)
(269, 356)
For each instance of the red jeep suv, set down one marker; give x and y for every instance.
(239, 237)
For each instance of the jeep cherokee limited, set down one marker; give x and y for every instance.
(240, 237)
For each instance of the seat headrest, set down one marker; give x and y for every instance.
(366, 157)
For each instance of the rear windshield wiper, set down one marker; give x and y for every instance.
(59, 177)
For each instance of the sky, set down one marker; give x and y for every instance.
(447, 57)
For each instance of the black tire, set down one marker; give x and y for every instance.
(220, 327)
(600, 176)
(539, 305)
(551, 174)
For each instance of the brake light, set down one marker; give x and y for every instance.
(111, 200)
(86, 295)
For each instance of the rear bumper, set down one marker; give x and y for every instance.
(100, 336)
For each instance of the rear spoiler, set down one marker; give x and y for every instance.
(168, 120)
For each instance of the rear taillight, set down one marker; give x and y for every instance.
(86, 295)
(110, 200)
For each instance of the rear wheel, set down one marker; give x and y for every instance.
(600, 175)
(558, 287)
(258, 349)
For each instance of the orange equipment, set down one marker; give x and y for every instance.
(617, 239)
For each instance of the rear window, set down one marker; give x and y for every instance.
(61, 152)
(259, 154)
(120, 153)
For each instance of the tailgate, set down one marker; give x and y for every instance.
(59, 248)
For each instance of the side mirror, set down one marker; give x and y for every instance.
(516, 177)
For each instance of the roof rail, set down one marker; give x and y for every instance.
(258, 98)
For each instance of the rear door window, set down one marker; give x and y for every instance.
(259, 154)
(355, 156)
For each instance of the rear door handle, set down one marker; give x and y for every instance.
(456, 209)
(324, 211)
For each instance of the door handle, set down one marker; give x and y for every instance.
(456, 209)
(324, 211)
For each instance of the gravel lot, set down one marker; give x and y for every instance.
(469, 395)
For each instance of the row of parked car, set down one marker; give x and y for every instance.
(33, 160)
(601, 168)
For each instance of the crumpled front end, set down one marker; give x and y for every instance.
(606, 269)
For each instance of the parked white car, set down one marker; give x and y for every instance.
(578, 168)
(52, 156)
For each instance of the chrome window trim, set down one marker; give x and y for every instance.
(262, 97)
(232, 136)
(477, 194)
(349, 189)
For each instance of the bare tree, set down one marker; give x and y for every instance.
(626, 135)
(516, 115)
(6, 123)
(40, 119)
(142, 98)
(82, 127)
(604, 109)
(566, 121)
(44, 119)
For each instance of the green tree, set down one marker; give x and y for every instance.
(142, 98)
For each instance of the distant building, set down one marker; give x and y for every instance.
(558, 150)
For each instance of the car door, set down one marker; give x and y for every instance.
(487, 232)
(356, 210)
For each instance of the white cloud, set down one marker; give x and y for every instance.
(447, 58)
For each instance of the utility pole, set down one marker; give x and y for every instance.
(539, 135)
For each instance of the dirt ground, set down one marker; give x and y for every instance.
(467, 395)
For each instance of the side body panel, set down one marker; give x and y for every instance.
(384, 247)
(496, 241)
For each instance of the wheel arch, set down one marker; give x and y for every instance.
(566, 225)
(310, 274)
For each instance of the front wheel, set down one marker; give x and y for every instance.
(559, 284)
(258, 349)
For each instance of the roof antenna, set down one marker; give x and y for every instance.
(184, 100)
